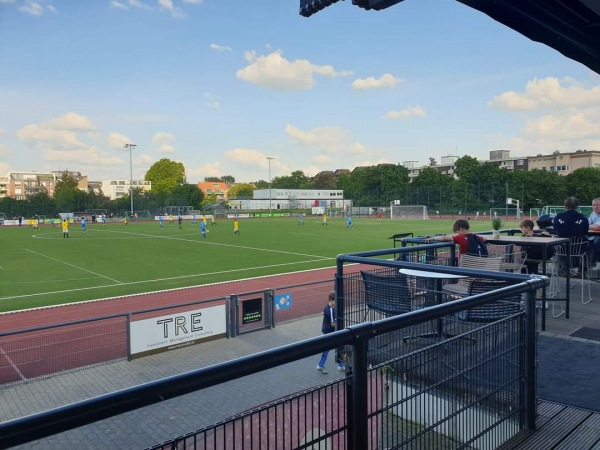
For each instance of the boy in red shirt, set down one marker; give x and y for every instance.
(461, 228)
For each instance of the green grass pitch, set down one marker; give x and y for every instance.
(42, 268)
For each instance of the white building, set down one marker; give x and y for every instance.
(293, 199)
(115, 189)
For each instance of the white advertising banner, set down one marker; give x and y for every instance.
(177, 330)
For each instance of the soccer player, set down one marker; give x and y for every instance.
(65, 228)
(203, 228)
(324, 222)
(179, 219)
(349, 222)
(236, 227)
(213, 220)
(161, 221)
(300, 219)
(83, 225)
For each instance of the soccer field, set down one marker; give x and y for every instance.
(42, 268)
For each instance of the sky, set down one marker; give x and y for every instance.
(223, 85)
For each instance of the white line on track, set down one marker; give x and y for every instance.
(152, 281)
(72, 265)
(14, 366)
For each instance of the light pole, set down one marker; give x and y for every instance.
(270, 158)
(131, 147)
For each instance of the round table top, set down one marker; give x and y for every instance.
(427, 274)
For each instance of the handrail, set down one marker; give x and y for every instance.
(40, 425)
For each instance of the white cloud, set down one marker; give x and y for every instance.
(2, 131)
(168, 5)
(163, 137)
(64, 138)
(212, 100)
(248, 157)
(407, 113)
(220, 48)
(386, 81)
(118, 140)
(40, 135)
(206, 170)
(146, 160)
(4, 151)
(164, 141)
(576, 126)
(33, 8)
(70, 121)
(557, 115)
(165, 148)
(326, 139)
(117, 5)
(548, 93)
(275, 72)
(87, 156)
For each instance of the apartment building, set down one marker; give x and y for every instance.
(565, 163)
(115, 189)
(217, 188)
(20, 185)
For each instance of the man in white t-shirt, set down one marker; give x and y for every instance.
(594, 220)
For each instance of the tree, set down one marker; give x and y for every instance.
(467, 168)
(66, 192)
(241, 190)
(212, 179)
(583, 184)
(228, 180)
(297, 180)
(166, 175)
(189, 195)
(324, 181)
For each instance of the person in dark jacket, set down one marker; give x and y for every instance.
(573, 225)
(329, 320)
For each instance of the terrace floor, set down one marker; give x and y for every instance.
(560, 426)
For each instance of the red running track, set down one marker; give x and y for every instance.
(26, 356)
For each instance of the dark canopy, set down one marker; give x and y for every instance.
(570, 26)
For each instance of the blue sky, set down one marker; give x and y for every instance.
(220, 85)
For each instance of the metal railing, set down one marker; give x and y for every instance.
(43, 351)
(437, 394)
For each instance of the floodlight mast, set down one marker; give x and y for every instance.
(131, 147)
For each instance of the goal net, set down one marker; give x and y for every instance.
(408, 212)
(507, 213)
(138, 215)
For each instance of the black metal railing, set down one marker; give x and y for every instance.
(383, 401)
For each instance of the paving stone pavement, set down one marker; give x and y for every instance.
(157, 423)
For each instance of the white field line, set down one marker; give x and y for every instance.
(72, 265)
(205, 242)
(155, 280)
(14, 366)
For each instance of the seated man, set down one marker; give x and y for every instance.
(573, 225)
(594, 221)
